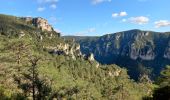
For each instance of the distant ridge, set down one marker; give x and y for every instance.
(136, 50)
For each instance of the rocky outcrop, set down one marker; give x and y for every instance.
(22, 34)
(91, 57)
(39, 23)
(167, 51)
(97, 65)
(145, 53)
(42, 24)
(72, 50)
(117, 72)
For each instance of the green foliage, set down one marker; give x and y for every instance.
(164, 79)
(162, 90)
(23, 76)
(59, 76)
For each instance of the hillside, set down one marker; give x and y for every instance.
(38, 64)
(141, 52)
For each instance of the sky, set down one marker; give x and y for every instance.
(94, 17)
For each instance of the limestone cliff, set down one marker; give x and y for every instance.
(39, 22)
(66, 49)
(130, 49)
(167, 51)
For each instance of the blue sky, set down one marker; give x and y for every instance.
(94, 17)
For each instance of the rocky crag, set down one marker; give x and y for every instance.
(39, 22)
(136, 50)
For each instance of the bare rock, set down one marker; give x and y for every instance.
(91, 57)
(39, 22)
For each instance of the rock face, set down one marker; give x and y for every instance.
(167, 51)
(91, 57)
(39, 23)
(145, 53)
(66, 49)
(129, 49)
(42, 24)
(135, 44)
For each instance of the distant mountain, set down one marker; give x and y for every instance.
(141, 52)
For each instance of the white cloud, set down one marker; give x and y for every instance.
(53, 6)
(99, 1)
(115, 15)
(40, 9)
(121, 14)
(139, 20)
(162, 23)
(47, 1)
